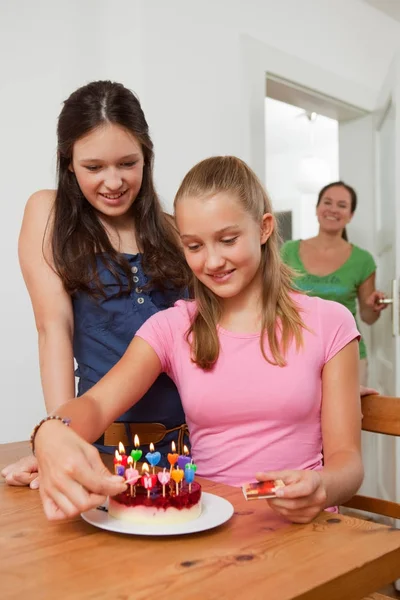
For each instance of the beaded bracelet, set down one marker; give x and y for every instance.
(64, 420)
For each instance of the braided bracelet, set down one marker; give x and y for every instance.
(64, 420)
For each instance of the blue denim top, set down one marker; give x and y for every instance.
(103, 329)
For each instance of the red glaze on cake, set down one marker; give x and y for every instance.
(173, 508)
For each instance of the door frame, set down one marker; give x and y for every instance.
(258, 60)
(260, 63)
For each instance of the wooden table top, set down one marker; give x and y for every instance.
(253, 556)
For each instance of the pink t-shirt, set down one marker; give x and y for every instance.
(246, 415)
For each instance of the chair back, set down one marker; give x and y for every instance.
(381, 414)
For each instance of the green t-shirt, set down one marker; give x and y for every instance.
(341, 285)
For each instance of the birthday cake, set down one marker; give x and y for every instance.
(170, 496)
(171, 508)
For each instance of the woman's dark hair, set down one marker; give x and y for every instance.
(352, 193)
(77, 232)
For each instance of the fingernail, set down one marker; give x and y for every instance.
(279, 493)
(34, 485)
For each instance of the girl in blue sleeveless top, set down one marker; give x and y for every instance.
(99, 257)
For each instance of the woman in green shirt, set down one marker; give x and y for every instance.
(330, 267)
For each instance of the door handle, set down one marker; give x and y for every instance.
(394, 301)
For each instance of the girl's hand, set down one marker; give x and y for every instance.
(303, 497)
(73, 478)
(373, 301)
(22, 472)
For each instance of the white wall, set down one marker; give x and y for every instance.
(203, 60)
(47, 50)
(187, 62)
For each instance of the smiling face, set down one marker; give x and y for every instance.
(108, 165)
(222, 243)
(334, 209)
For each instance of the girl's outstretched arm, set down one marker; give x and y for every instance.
(72, 476)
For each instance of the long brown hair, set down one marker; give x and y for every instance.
(280, 314)
(77, 233)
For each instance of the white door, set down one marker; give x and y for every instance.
(385, 342)
(369, 156)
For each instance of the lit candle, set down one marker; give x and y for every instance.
(136, 453)
(131, 476)
(177, 476)
(117, 461)
(172, 458)
(190, 470)
(184, 458)
(163, 478)
(153, 457)
(148, 481)
(119, 470)
(124, 458)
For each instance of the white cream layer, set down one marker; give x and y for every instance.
(151, 514)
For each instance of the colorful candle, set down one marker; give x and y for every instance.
(177, 476)
(121, 450)
(117, 461)
(136, 453)
(172, 458)
(190, 470)
(153, 457)
(131, 476)
(119, 470)
(163, 478)
(184, 458)
(148, 481)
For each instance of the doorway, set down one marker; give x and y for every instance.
(305, 130)
(312, 139)
(302, 156)
(302, 150)
(270, 72)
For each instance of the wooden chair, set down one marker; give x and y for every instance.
(381, 414)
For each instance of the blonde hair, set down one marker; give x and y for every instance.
(230, 174)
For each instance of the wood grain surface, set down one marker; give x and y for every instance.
(256, 555)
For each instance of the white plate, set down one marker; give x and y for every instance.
(215, 511)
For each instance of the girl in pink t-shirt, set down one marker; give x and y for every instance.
(268, 377)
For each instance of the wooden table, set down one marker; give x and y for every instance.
(255, 556)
